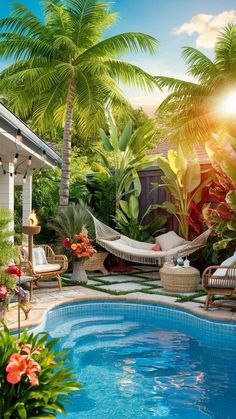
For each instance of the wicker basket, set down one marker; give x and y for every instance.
(96, 262)
(177, 279)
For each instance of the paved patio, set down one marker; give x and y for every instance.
(139, 285)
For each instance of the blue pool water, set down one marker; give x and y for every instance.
(141, 361)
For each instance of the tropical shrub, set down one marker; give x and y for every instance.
(6, 246)
(34, 381)
(69, 221)
(182, 179)
(220, 214)
(102, 190)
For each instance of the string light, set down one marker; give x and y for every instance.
(24, 177)
(18, 135)
(15, 158)
(29, 160)
(0, 161)
(43, 156)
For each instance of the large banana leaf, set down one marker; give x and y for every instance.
(133, 207)
(125, 136)
(105, 141)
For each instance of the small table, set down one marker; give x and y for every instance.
(178, 279)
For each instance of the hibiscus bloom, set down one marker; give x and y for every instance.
(16, 368)
(18, 365)
(66, 242)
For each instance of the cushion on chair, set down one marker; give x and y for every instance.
(47, 267)
(39, 256)
(169, 240)
(221, 283)
(227, 262)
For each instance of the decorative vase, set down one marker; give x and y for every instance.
(78, 274)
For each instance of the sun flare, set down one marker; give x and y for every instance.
(228, 104)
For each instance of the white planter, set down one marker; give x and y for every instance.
(79, 274)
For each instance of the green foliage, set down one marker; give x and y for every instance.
(7, 250)
(181, 178)
(71, 220)
(191, 110)
(55, 381)
(102, 188)
(128, 222)
(45, 201)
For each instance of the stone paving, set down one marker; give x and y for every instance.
(129, 286)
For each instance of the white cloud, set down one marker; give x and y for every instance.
(207, 27)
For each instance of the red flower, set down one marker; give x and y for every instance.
(13, 270)
(67, 243)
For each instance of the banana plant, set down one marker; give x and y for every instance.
(130, 224)
(182, 179)
(124, 155)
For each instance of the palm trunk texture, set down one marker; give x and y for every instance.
(66, 150)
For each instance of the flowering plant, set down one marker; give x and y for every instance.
(80, 246)
(8, 284)
(33, 379)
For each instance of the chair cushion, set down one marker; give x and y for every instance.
(169, 240)
(39, 256)
(47, 267)
(220, 272)
(221, 283)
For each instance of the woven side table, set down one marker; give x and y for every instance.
(178, 279)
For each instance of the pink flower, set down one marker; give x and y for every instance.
(3, 292)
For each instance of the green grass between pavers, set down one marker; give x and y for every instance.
(153, 290)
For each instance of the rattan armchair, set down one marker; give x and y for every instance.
(221, 283)
(55, 266)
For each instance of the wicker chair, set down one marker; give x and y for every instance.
(59, 264)
(218, 280)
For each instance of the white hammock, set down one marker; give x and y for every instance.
(141, 252)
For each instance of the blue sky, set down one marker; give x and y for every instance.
(175, 23)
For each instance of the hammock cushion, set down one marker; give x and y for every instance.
(169, 240)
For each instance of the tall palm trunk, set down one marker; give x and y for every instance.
(66, 150)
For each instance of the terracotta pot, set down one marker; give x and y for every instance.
(79, 274)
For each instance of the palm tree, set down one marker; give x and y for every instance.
(190, 112)
(64, 71)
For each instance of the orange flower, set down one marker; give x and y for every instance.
(16, 368)
(19, 365)
(31, 369)
(73, 246)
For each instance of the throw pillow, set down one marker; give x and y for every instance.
(156, 247)
(169, 240)
(39, 256)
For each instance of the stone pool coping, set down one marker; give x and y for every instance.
(45, 300)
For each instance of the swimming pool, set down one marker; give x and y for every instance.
(140, 361)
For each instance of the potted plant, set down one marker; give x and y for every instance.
(34, 381)
(81, 248)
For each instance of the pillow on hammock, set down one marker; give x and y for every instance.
(111, 237)
(156, 247)
(169, 240)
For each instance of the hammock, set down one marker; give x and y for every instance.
(141, 252)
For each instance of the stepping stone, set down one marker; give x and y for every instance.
(153, 283)
(92, 282)
(128, 286)
(116, 278)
